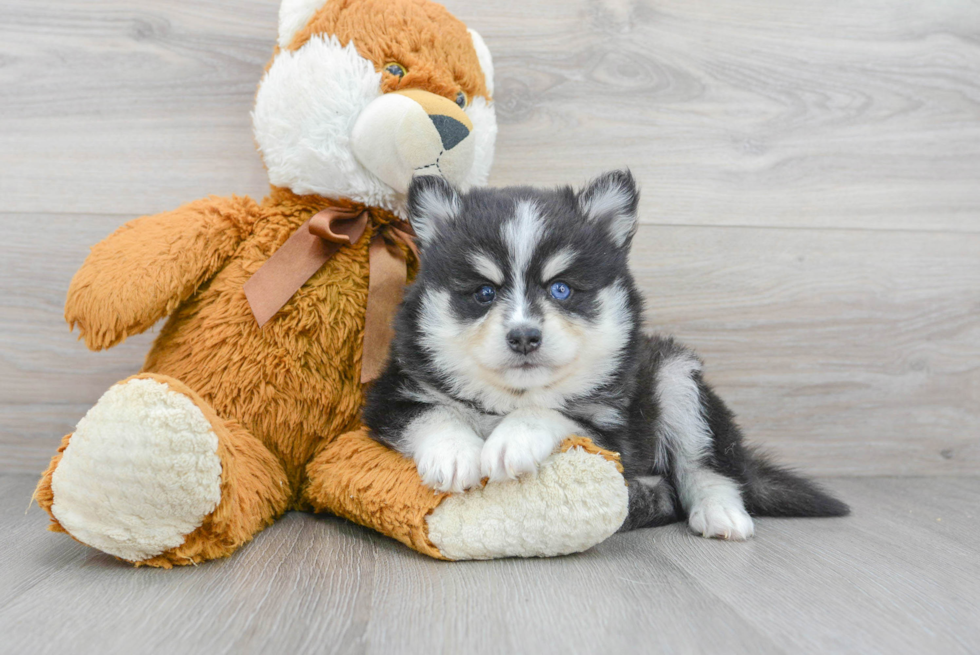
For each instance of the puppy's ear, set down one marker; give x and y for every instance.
(432, 203)
(611, 200)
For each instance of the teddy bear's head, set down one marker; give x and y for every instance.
(363, 94)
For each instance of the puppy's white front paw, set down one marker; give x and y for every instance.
(514, 449)
(450, 463)
(722, 518)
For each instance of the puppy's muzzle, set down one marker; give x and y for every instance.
(414, 132)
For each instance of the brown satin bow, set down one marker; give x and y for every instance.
(310, 246)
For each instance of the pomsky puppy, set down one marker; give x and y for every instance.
(523, 327)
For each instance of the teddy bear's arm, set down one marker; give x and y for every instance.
(146, 268)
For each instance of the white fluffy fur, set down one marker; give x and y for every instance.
(455, 447)
(476, 358)
(713, 502)
(305, 112)
(715, 506)
(576, 501)
(446, 450)
(293, 16)
(522, 441)
(436, 205)
(484, 118)
(485, 266)
(602, 415)
(556, 264)
(140, 473)
(486, 60)
(600, 346)
(521, 234)
(304, 115)
(681, 425)
(611, 204)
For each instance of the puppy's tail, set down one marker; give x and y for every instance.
(771, 490)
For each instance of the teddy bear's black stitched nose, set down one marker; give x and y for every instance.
(451, 131)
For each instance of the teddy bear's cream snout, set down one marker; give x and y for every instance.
(414, 132)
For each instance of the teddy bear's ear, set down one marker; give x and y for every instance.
(483, 54)
(293, 16)
(611, 200)
(432, 202)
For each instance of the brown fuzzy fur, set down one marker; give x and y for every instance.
(359, 479)
(254, 490)
(432, 45)
(275, 394)
(279, 397)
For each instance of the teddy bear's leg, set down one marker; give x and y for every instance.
(154, 476)
(578, 499)
(357, 478)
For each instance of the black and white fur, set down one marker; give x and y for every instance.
(478, 389)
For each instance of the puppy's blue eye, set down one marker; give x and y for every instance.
(560, 291)
(485, 294)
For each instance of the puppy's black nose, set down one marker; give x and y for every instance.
(524, 340)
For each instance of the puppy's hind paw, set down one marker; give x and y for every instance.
(721, 519)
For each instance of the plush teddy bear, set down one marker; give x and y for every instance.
(248, 402)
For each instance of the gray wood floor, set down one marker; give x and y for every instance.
(899, 576)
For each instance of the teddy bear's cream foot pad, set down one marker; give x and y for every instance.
(140, 473)
(576, 500)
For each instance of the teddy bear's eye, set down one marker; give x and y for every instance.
(461, 99)
(396, 69)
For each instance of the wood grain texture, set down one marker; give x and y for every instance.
(832, 114)
(809, 172)
(900, 576)
(843, 352)
(129, 107)
(857, 114)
